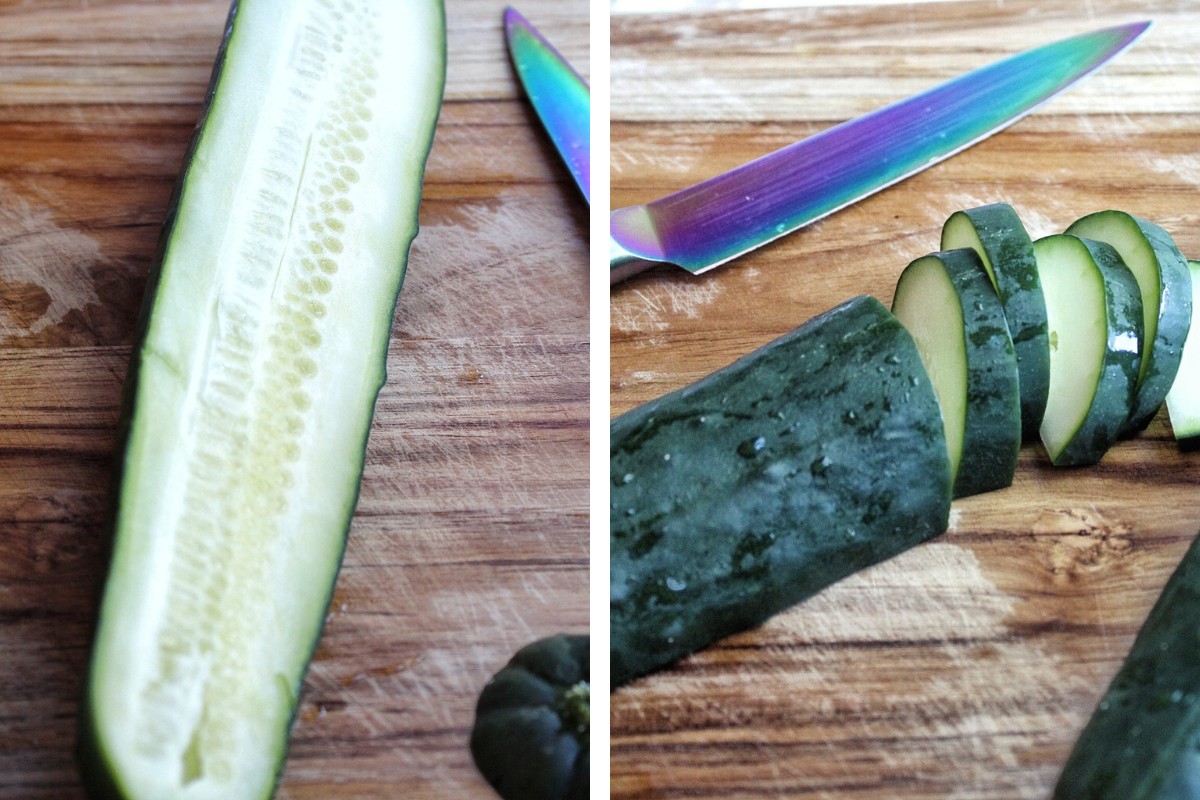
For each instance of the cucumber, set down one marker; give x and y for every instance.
(952, 311)
(1143, 740)
(816, 455)
(1166, 292)
(995, 232)
(251, 391)
(1183, 401)
(1094, 311)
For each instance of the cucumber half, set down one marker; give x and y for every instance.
(1183, 401)
(948, 304)
(251, 393)
(1094, 312)
(995, 232)
(1166, 292)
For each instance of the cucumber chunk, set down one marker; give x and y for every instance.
(1166, 292)
(952, 311)
(1183, 401)
(251, 392)
(813, 457)
(1143, 740)
(1094, 312)
(995, 232)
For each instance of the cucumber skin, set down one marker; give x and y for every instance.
(1009, 251)
(100, 780)
(1174, 320)
(1102, 425)
(813, 457)
(992, 429)
(1142, 741)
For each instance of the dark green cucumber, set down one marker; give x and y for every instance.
(262, 349)
(1166, 292)
(950, 307)
(995, 232)
(531, 736)
(815, 456)
(1183, 401)
(1095, 314)
(1143, 741)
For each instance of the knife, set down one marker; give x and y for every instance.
(724, 217)
(557, 92)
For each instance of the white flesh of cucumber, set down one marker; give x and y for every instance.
(1078, 330)
(928, 305)
(257, 379)
(1183, 401)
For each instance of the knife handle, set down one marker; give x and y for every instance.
(622, 263)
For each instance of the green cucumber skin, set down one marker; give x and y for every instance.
(1009, 251)
(1174, 319)
(1143, 740)
(1114, 396)
(815, 456)
(100, 779)
(992, 429)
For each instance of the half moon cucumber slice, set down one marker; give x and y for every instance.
(1165, 286)
(1094, 312)
(1183, 401)
(948, 304)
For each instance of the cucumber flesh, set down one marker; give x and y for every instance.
(815, 456)
(1143, 740)
(995, 232)
(252, 390)
(1183, 401)
(948, 304)
(1165, 286)
(1095, 320)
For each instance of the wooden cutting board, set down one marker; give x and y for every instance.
(966, 667)
(471, 533)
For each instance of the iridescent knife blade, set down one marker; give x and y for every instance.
(557, 92)
(719, 219)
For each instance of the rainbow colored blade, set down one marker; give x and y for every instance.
(717, 220)
(557, 92)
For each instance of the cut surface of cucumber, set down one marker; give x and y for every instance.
(995, 232)
(816, 455)
(1183, 401)
(251, 392)
(948, 304)
(1094, 312)
(1165, 286)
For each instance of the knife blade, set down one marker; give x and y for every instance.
(557, 93)
(719, 219)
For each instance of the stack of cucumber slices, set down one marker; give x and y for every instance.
(844, 442)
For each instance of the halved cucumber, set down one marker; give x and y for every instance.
(950, 307)
(1143, 741)
(813, 457)
(251, 393)
(1165, 286)
(995, 232)
(1094, 312)
(1183, 401)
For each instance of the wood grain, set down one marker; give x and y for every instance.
(966, 667)
(471, 532)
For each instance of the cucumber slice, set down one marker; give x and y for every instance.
(1095, 315)
(813, 457)
(1183, 401)
(952, 311)
(995, 232)
(1165, 286)
(252, 389)
(1143, 741)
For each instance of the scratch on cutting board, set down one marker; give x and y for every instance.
(651, 310)
(36, 252)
